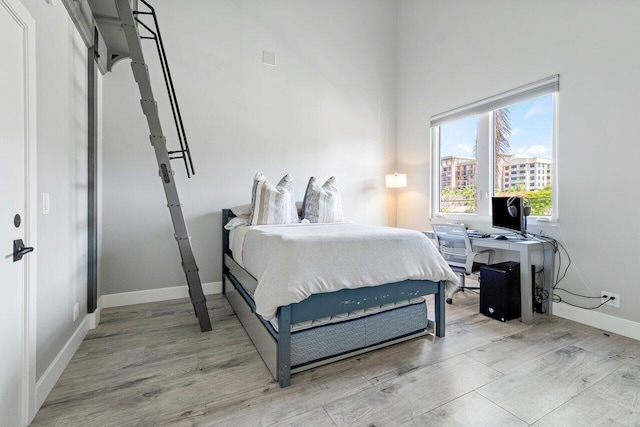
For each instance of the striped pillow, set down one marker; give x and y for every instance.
(273, 205)
(322, 204)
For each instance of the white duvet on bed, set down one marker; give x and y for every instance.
(292, 262)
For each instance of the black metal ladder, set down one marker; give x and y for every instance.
(118, 14)
(184, 152)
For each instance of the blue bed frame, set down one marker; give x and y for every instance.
(318, 306)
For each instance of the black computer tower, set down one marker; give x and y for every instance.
(500, 290)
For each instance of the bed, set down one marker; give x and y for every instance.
(317, 326)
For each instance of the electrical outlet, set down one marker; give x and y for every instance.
(76, 311)
(615, 302)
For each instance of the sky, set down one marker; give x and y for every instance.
(531, 131)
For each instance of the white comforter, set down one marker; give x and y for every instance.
(292, 262)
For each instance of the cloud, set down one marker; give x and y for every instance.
(537, 108)
(515, 131)
(466, 148)
(532, 151)
(536, 150)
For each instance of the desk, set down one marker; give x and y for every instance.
(525, 249)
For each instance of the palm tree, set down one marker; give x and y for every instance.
(501, 148)
(501, 135)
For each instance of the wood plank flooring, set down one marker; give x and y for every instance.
(149, 365)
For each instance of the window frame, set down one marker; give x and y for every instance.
(485, 158)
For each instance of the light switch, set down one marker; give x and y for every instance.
(45, 204)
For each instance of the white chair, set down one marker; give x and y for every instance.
(455, 247)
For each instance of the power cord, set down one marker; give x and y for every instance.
(540, 295)
(558, 298)
(573, 293)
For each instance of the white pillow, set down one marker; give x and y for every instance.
(242, 210)
(273, 204)
(322, 204)
(236, 222)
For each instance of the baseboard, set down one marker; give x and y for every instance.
(50, 377)
(94, 318)
(598, 320)
(153, 295)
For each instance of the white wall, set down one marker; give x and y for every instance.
(451, 53)
(327, 108)
(62, 172)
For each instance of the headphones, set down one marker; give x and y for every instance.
(513, 211)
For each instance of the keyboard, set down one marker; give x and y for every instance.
(478, 235)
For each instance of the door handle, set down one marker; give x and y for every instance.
(20, 250)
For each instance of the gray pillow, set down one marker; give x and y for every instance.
(322, 203)
(273, 204)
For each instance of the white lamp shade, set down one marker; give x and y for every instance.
(396, 180)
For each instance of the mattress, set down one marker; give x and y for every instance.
(292, 262)
(236, 240)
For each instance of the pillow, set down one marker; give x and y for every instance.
(322, 204)
(236, 222)
(273, 204)
(242, 211)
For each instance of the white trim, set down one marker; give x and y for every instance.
(153, 295)
(48, 380)
(598, 320)
(24, 18)
(32, 188)
(94, 318)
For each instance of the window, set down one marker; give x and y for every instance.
(492, 146)
(457, 152)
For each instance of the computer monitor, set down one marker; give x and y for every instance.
(508, 214)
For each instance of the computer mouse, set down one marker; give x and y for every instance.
(500, 237)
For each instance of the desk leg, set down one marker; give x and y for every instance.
(549, 266)
(526, 300)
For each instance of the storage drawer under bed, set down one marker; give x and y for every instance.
(327, 341)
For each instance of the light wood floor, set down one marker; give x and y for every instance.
(149, 365)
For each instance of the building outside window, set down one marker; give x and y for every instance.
(457, 151)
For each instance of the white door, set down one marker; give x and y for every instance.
(14, 209)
